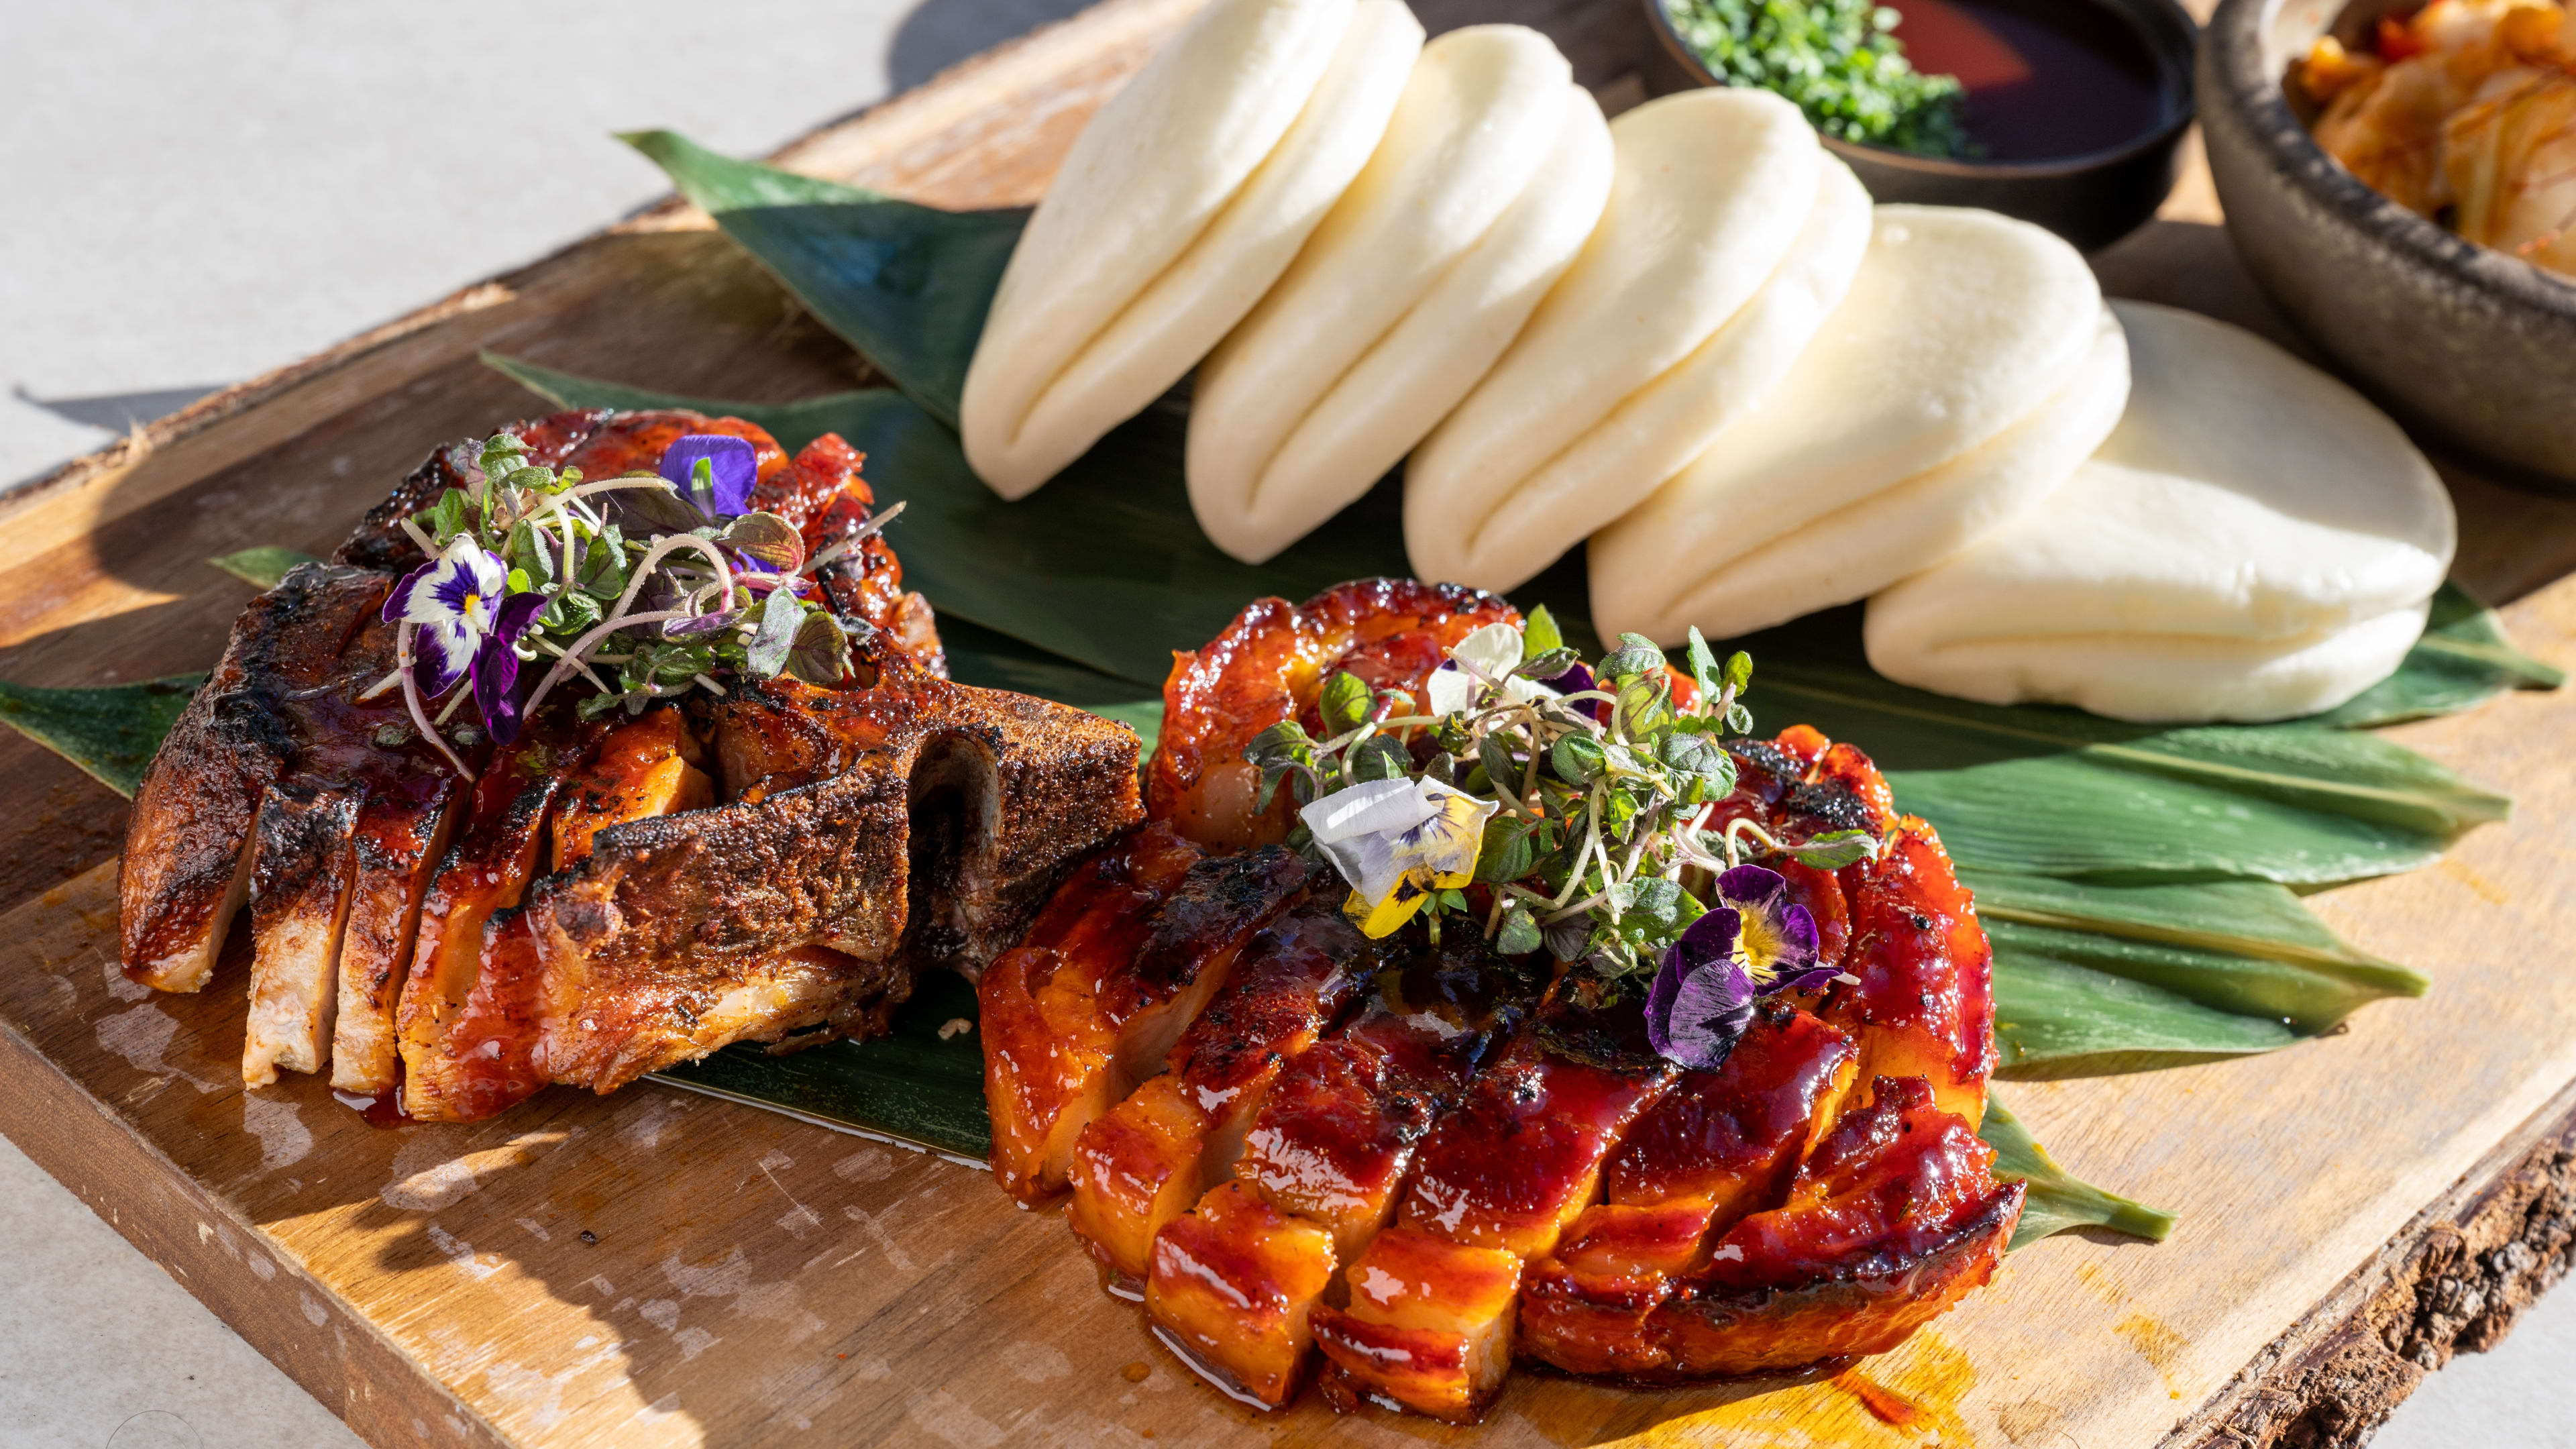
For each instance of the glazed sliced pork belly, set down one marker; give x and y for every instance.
(1071, 1027)
(597, 899)
(1269, 666)
(1434, 1301)
(1149, 1158)
(1482, 1160)
(1233, 1283)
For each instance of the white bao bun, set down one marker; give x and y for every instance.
(2254, 542)
(1632, 363)
(1180, 203)
(1968, 372)
(1487, 182)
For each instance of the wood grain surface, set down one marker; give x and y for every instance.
(655, 1268)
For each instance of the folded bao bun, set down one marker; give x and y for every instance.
(1488, 180)
(1180, 203)
(1728, 237)
(1969, 371)
(2253, 542)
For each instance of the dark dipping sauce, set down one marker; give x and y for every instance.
(2046, 80)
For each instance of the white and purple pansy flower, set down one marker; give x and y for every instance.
(1396, 842)
(1753, 942)
(716, 471)
(466, 621)
(1486, 656)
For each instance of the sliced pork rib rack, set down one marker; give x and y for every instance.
(602, 898)
(1392, 1168)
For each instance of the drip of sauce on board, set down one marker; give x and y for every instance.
(380, 1109)
(1884, 1404)
(2045, 79)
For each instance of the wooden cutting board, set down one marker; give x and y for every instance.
(656, 1268)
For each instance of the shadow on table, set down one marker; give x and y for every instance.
(940, 33)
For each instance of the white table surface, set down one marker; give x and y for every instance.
(200, 192)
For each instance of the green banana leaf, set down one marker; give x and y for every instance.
(2463, 658)
(110, 732)
(2093, 978)
(2029, 789)
(262, 567)
(911, 1085)
(1104, 566)
(2173, 940)
(906, 285)
(2056, 1200)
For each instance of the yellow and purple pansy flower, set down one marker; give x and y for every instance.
(1397, 842)
(1753, 942)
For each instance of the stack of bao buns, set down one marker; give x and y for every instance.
(1687, 336)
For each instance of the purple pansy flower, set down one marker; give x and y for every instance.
(1753, 941)
(732, 468)
(1576, 681)
(466, 622)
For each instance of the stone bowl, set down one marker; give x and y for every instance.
(2474, 350)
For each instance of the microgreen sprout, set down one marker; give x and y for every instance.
(639, 588)
(1592, 795)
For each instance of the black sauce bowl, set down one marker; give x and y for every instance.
(2091, 200)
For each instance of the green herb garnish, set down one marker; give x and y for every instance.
(1838, 60)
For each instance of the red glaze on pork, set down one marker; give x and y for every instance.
(1459, 1164)
(1268, 666)
(603, 898)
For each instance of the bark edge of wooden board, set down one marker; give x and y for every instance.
(2454, 1281)
(969, 140)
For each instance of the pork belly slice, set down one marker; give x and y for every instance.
(1924, 1002)
(1145, 1161)
(1043, 1046)
(1230, 1289)
(1082, 1023)
(1509, 1170)
(1893, 1219)
(1524, 1153)
(401, 837)
(188, 850)
(1428, 1328)
(299, 903)
(1584, 1307)
(1335, 1136)
(1327, 1149)
(1719, 1146)
(1731, 1138)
